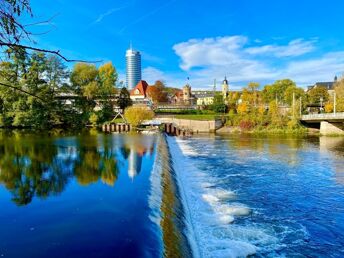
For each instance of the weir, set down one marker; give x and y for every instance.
(174, 130)
(173, 223)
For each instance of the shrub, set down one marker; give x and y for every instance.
(328, 107)
(135, 115)
(246, 125)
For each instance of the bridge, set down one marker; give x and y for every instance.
(328, 123)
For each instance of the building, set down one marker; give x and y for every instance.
(177, 98)
(139, 93)
(187, 96)
(328, 85)
(225, 88)
(133, 72)
(204, 97)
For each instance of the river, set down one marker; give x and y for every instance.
(123, 195)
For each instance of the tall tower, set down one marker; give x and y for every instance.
(225, 88)
(187, 94)
(133, 62)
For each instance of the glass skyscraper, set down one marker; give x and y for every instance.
(133, 60)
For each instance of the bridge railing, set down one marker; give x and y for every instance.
(324, 116)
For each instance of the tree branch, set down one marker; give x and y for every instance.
(21, 90)
(55, 52)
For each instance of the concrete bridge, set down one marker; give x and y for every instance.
(329, 123)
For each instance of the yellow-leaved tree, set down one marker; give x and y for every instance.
(135, 115)
(339, 89)
(242, 108)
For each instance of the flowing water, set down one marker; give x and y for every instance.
(123, 195)
(268, 197)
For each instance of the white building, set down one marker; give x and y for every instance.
(133, 72)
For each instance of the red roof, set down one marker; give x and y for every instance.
(142, 87)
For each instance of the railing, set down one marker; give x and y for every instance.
(175, 106)
(323, 116)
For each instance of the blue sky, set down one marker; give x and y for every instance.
(247, 40)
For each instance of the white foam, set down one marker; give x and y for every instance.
(210, 210)
(155, 195)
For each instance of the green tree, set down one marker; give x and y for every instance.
(297, 92)
(277, 90)
(108, 78)
(218, 105)
(124, 100)
(318, 94)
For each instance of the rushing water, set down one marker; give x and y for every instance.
(268, 197)
(96, 195)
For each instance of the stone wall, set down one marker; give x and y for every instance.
(197, 126)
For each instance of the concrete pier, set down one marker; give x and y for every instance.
(327, 128)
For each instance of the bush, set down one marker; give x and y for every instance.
(246, 125)
(135, 115)
(328, 107)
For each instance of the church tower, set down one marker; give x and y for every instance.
(187, 94)
(225, 88)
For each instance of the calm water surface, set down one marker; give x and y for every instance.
(96, 195)
(80, 196)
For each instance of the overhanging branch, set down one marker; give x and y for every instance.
(55, 52)
(21, 90)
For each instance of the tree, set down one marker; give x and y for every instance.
(124, 100)
(293, 90)
(242, 108)
(56, 72)
(218, 104)
(318, 94)
(82, 75)
(253, 87)
(135, 115)
(13, 32)
(85, 84)
(108, 78)
(277, 90)
(157, 92)
(339, 90)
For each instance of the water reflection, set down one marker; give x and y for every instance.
(42, 166)
(335, 147)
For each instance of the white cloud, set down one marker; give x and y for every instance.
(209, 58)
(295, 47)
(152, 74)
(323, 68)
(107, 13)
(209, 51)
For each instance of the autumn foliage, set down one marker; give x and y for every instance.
(135, 115)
